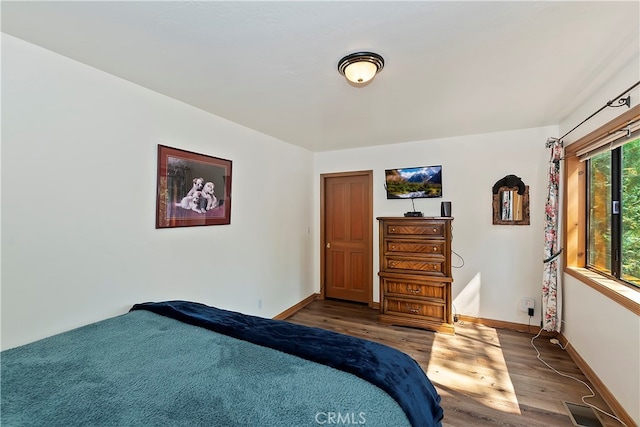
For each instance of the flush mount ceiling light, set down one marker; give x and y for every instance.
(360, 67)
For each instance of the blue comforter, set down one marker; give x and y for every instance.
(391, 370)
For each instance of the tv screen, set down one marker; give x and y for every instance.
(414, 183)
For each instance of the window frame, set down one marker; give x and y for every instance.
(576, 222)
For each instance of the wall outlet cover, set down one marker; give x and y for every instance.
(526, 304)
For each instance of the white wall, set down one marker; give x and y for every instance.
(607, 337)
(79, 242)
(501, 263)
(604, 333)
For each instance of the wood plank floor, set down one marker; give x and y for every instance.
(486, 376)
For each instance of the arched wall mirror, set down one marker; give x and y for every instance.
(510, 201)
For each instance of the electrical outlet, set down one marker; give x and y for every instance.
(526, 304)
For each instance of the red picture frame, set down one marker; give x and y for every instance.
(192, 189)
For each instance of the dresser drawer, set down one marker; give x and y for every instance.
(431, 247)
(434, 291)
(432, 267)
(427, 229)
(402, 307)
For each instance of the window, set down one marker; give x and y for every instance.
(589, 226)
(599, 228)
(630, 232)
(613, 212)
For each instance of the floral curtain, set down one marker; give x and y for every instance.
(551, 291)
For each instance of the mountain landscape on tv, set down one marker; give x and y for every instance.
(414, 183)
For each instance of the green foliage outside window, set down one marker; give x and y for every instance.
(601, 241)
(631, 212)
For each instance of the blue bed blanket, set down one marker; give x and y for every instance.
(389, 369)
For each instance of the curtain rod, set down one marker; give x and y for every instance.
(621, 101)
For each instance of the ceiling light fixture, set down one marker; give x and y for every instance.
(360, 67)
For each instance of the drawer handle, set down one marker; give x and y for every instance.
(435, 249)
(393, 229)
(414, 290)
(393, 248)
(412, 309)
(435, 230)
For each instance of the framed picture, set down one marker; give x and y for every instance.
(193, 189)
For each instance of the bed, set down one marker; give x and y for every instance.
(180, 363)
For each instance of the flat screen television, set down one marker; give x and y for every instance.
(414, 183)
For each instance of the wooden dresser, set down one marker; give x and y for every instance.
(415, 272)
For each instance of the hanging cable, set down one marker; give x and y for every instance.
(588, 396)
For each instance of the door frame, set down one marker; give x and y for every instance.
(323, 239)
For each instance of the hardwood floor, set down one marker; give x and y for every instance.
(486, 376)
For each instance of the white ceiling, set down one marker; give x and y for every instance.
(452, 68)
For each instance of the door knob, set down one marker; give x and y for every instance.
(328, 245)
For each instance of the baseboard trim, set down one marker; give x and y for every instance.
(294, 309)
(500, 324)
(600, 388)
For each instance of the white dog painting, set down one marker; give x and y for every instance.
(207, 194)
(192, 189)
(192, 202)
(198, 183)
(200, 198)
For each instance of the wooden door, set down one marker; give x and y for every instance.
(346, 228)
